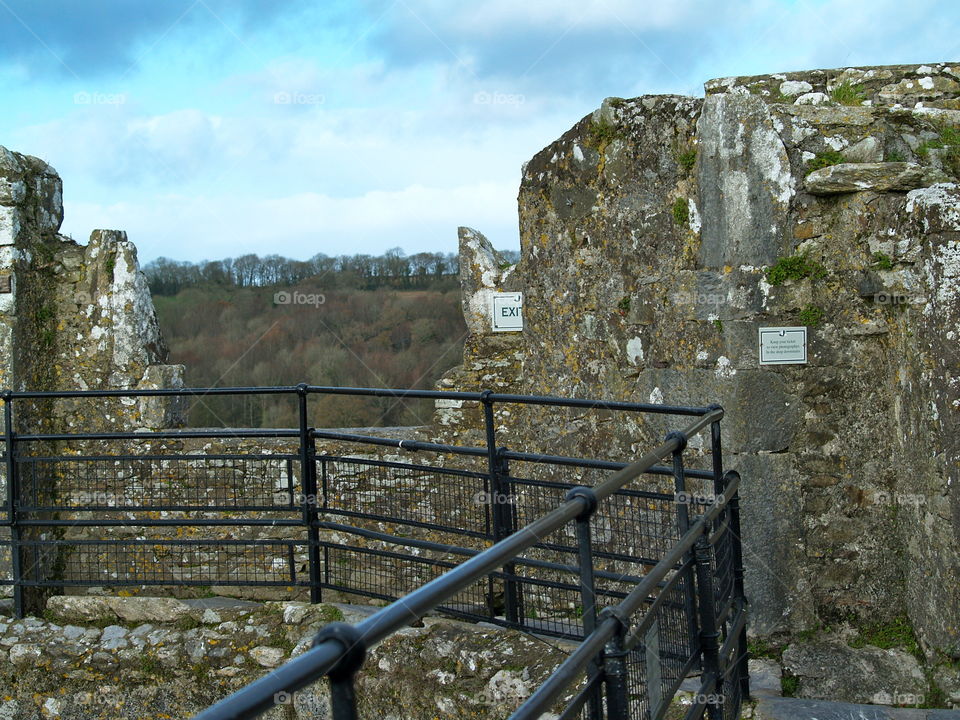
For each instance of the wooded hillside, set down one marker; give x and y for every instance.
(338, 327)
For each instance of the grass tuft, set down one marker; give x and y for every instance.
(848, 94)
(795, 267)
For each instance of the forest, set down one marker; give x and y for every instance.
(357, 321)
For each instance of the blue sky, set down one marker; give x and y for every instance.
(213, 128)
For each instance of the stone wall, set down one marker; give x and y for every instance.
(75, 317)
(158, 657)
(660, 232)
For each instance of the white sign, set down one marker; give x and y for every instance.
(506, 309)
(783, 346)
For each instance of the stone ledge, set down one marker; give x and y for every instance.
(879, 177)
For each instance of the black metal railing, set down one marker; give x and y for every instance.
(644, 566)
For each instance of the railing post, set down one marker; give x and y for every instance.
(682, 501)
(743, 654)
(588, 594)
(343, 697)
(615, 674)
(502, 492)
(501, 510)
(308, 485)
(709, 635)
(13, 492)
(716, 452)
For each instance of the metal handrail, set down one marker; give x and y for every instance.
(543, 699)
(317, 662)
(483, 396)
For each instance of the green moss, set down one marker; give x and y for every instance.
(686, 159)
(149, 665)
(789, 685)
(601, 133)
(934, 697)
(187, 622)
(898, 633)
(795, 267)
(948, 139)
(623, 305)
(882, 261)
(761, 648)
(811, 315)
(718, 324)
(329, 613)
(681, 211)
(848, 94)
(824, 159)
(895, 156)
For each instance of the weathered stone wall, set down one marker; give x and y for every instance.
(164, 658)
(648, 234)
(76, 317)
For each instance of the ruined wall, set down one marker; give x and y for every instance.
(649, 232)
(75, 317)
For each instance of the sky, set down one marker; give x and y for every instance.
(214, 128)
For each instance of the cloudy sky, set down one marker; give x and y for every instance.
(213, 128)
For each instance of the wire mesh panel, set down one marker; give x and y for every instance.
(666, 653)
(206, 482)
(630, 532)
(389, 575)
(162, 562)
(452, 500)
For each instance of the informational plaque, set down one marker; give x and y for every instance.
(783, 346)
(507, 312)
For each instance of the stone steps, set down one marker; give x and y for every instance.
(787, 708)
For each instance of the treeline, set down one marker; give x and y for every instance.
(366, 272)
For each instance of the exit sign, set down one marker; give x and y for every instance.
(506, 309)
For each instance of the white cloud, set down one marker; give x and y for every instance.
(496, 15)
(417, 218)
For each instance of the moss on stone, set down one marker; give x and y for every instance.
(601, 133)
(681, 211)
(882, 261)
(795, 267)
(811, 315)
(824, 159)
(897, 633)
